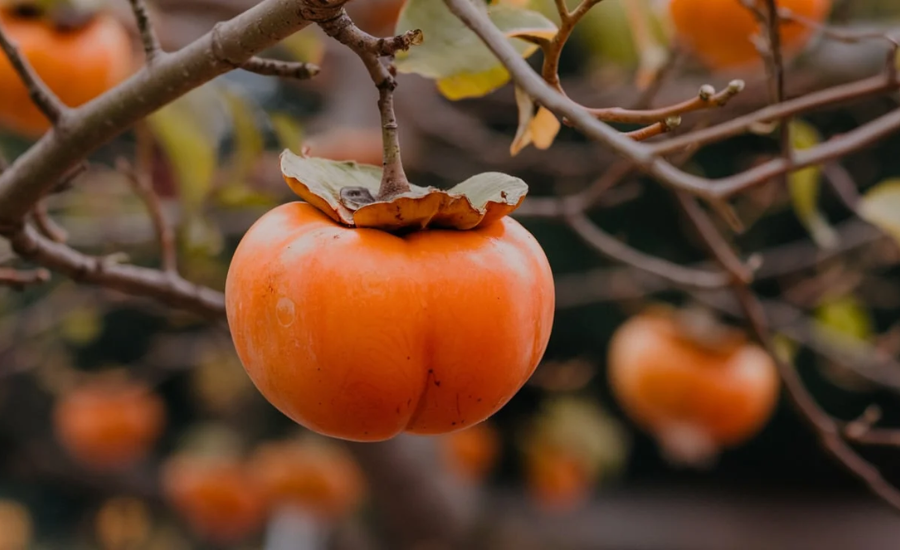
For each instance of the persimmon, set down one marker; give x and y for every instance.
(695, 393)
(361, 334)
(109, 424)
(319, 478)
(720, 32)
(471, 453)
(557, 480)
(216, 496)
(77, 64)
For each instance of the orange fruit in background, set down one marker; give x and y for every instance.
(216, 497)
(557, 481)
(669, 383)
(471, 453)
(720, 32)
(319, 478)
(362, 334)
(76, 64)
(378, 17)
(109, 424)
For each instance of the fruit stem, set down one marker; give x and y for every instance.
(393, 180)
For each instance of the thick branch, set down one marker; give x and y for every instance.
(229, 45)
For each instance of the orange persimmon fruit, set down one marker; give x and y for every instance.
(319, 478)
(109, 424)
(558, 481)
(362, 334)
(694, 396)
(720, 32)
(77, 64)
(215, 496)
(471, 453)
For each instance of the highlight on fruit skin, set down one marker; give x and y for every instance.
(697, 388)
(361, 334)
(720, 32)
(77, 64)
(215, 496)
(316, 477)
(108, 423)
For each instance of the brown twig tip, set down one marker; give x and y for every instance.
(43, 98)
(282, 69)
(19, 279)
(152, 47)
(707, 91)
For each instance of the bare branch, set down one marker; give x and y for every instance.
(19, 279)
(282, 69)
(43, 98)
(131, 279)
(706, 98)
(226, 47)
(619, 251)
(152, 47)
(143, 188)
(46, 225)
(370, 50)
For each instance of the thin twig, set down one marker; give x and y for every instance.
(283, 69)
(370, 50)
(46, 225)
(42, 97)
(19, 279)
(828, 429)
(152, 47)
(706, 98)
(619, 251)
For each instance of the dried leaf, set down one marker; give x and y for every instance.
(478, 201)
(538, 128)
(455, 57)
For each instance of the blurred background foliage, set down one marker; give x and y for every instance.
(214, 164)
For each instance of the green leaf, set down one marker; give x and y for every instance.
(845, 316)
(248, 139)
(187, 134)
(454, 56)
(881, 207)
(804, 187)
(306, 45)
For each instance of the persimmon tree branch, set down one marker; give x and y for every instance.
(19, 279)
(229, 45)
(43, 98)
(646, 157)
(282, 69)
(150, 41)
(370, 51)
(829, 430)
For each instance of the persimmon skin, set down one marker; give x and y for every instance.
(217, 498)
(662, 379)
(719, 32)
(321, 480)
(360, 334)
(77, 65)
(109, 424)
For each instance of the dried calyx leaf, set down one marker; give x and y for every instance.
(347, 191)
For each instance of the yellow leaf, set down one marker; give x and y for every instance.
(248, 140)
(288, 130)
(538, 128)
(846, 316)
(454, 56)
(306, 45)
(881, 207)
(804, 187)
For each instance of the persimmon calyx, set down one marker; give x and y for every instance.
(346, 191)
